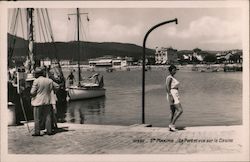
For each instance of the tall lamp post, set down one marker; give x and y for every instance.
(143, 63)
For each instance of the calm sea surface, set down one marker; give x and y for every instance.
(207, 99)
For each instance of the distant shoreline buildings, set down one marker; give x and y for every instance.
(110, 62)
(163, 56)
(169, 55)
(100, 62)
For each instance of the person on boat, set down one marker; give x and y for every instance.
(95, 78)
(71, 78)
(41, 101)
(172, 85)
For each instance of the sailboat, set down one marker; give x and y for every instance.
(85, 90)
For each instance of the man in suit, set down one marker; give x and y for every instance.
(41, 101)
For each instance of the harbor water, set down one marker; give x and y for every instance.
(208, 99)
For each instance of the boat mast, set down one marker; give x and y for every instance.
(78, 47)
(31, 39)
(78, 42)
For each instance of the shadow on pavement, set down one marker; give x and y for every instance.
(62, 129)
(181, 128)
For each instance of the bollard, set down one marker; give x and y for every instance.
(11, 114)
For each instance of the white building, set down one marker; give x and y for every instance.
(52, 62)
(102, 62)
(165, 55)
(118, 62)
(46, 62)
(65, 62)
(110, 62)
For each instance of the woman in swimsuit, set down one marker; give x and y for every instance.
(173, 97)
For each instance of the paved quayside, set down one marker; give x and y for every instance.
(134, 139)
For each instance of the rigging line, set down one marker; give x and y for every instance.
(84, 43)
(50, 28)
(46, 23)
(51, 35)
(22, 26)
(75, 32)
(11, 27)
(88, 32)
(15, 33)
(24, 114)
(83, 32)
(12, 21)
(53, 42)
(44, 30)
(45, 26)
(41, 26)
(21, 22)
(40, 29)
(17, 22)
(10, 31)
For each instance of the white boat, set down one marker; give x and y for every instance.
(85, 90)
(78, 93)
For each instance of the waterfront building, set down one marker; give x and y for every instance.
(119, 62)
(65, 62)
(165, 55)
(232, 56)
(46, 62)
(53, 62)
(110, 62)
(105, 61)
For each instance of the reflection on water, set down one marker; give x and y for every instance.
(81, 110)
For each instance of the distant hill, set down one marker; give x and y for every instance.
(68, 50)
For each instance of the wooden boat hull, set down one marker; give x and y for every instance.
(79, 93)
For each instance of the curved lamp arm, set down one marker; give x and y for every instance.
(143, 63)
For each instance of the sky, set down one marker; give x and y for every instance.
(204, 28)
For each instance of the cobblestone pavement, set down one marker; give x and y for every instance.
(135, 139)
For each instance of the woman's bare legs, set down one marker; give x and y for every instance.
(172, 108)
(179, 111)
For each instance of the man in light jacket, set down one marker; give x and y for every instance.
(41, 101)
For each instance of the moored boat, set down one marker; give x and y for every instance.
(85, 92)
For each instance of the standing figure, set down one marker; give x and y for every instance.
(172, 85)
(53, 100)
(71, 78)
(41, 102)
(54, 110)
(61, 103)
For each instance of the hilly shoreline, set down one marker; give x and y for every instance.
(68, 50)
